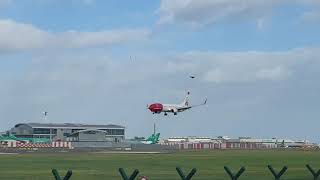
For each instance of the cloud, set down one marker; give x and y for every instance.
(199, 13)
(260, 23)
(209, 66)
(85, 72)
(251, 66)
(18, 36)
(275, 73)
(311, 16)
(5, 2)
(307, 2)
(77, 86)
(205, 12)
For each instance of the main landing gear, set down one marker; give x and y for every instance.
(166, 114)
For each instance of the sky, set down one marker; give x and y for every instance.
(104, 61)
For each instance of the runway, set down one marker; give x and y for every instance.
(1, 153)
(127, 152)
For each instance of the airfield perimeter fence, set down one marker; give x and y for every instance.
(233, 175)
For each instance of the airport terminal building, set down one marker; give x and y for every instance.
(69, 132)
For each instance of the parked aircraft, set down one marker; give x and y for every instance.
(153, 139)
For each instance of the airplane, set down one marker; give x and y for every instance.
(153, 139)
(157, 108)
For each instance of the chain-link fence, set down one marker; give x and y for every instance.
(234, 175)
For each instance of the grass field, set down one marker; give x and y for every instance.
(89, 166)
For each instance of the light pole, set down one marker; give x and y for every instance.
(46, 120)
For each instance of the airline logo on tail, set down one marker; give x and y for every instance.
(153, 139)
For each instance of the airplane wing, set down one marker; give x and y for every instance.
(204, 103)
(188, 107)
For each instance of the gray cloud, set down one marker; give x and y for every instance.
(85, 68)
(311, 16)
(275, 73)
(18, 36)
(251, 66)
(204, 12)
(5, 2)
(200, 13)
(248, 89)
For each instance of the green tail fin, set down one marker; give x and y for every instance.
(150, 138)
(157, 137)
(154, 138)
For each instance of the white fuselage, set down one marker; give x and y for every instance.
(157, 108)
(174, 108)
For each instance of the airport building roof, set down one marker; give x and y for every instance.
(70, 126)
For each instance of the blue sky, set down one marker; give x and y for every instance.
(256, 61)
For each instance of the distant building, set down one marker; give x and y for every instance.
(88, 135)
(224, 142)
(69, 131)
(191, 139)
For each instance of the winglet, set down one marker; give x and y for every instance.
(205, 101)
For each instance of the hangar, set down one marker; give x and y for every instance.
(68, 131)
(88, 135)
